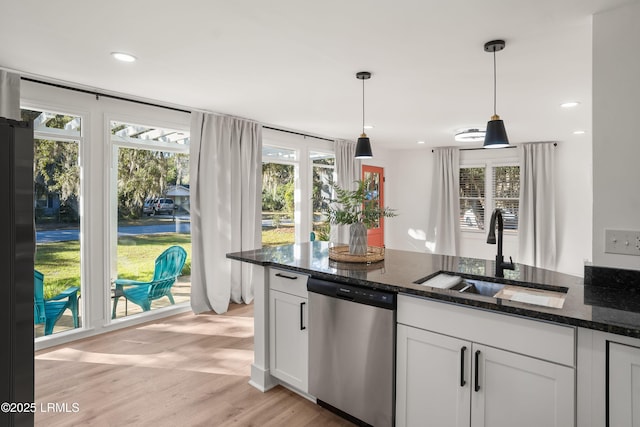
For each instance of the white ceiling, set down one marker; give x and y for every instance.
(292, 63)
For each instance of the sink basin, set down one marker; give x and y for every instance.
(469, 286)
(542, 295)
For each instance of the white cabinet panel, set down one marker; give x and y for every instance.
(433, 373)
(289, 341)
(624, 385)
(518, 390)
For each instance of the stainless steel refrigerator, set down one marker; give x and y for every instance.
(17, 247)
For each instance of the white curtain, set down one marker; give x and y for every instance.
(537, 219)
(348, 171)
(226, 193)
(443, 231)
(9, 95)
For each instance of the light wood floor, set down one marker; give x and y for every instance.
(185, 370)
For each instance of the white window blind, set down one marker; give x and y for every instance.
(484, 188)
(472, 198)
(506, 194)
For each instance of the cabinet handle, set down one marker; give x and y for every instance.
(476, 374)
(284, 276)
(302, 326)
(462, 381)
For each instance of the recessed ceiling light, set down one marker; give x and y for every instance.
(579, 132)
(470, 134)
(368, 126)
(420, 142)
(124, 57)
(570, 104)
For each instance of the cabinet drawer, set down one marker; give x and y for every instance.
(552, 342)
(288, 281)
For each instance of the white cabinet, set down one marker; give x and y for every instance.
(288, 336)
(432, 379)
(624, 385)
(609, 379)
(451, 371)
(511, 389)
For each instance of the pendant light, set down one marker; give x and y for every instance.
(496, 135)
(363, 147)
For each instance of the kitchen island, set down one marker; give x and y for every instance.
(597, 311)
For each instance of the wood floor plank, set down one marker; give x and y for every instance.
(185, 370)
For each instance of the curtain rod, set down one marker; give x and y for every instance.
(297, 133)
(555, 144)
(151, 104)
(99, 94)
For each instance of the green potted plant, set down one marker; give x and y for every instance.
(360, 210)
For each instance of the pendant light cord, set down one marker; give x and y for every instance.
(494, 83)
(363, 105)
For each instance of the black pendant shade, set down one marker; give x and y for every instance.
(496, 134)
(363, 148)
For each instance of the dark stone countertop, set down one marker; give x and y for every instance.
(606, 300)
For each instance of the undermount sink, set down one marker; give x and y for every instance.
(544, 295)
(479, 287)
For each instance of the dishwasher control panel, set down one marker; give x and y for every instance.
(356, 294)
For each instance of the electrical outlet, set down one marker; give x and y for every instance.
(622, 242)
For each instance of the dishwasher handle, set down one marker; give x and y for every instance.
(344, 295)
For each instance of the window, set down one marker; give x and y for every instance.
(152, 208)
(503, 184)
(278, 195)
(506, 193)
(57, 141)
(323, 170)
(472, 198)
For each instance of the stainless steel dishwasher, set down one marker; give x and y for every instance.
(352, 351)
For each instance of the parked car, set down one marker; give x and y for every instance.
(164, 206)
(149, 207)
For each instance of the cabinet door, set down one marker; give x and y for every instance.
(289, 341)
(512, 389)
(433, 379)
(624, 385)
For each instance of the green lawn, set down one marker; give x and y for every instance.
(272, 236)
(60, 261)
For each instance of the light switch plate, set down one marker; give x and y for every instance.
(622, 242)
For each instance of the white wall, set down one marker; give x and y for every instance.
(408, 191)
(409, 186)
(616, 144)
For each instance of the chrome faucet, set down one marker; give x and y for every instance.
(491, 239)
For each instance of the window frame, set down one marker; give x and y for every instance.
(489, 163)
(83, 141)
(311, 166)
(112, 145)
(303, 180)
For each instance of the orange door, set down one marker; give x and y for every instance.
(375, 234)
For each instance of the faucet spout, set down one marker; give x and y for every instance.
(496, 219)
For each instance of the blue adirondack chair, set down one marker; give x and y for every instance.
(168, 267)
(49, 310)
